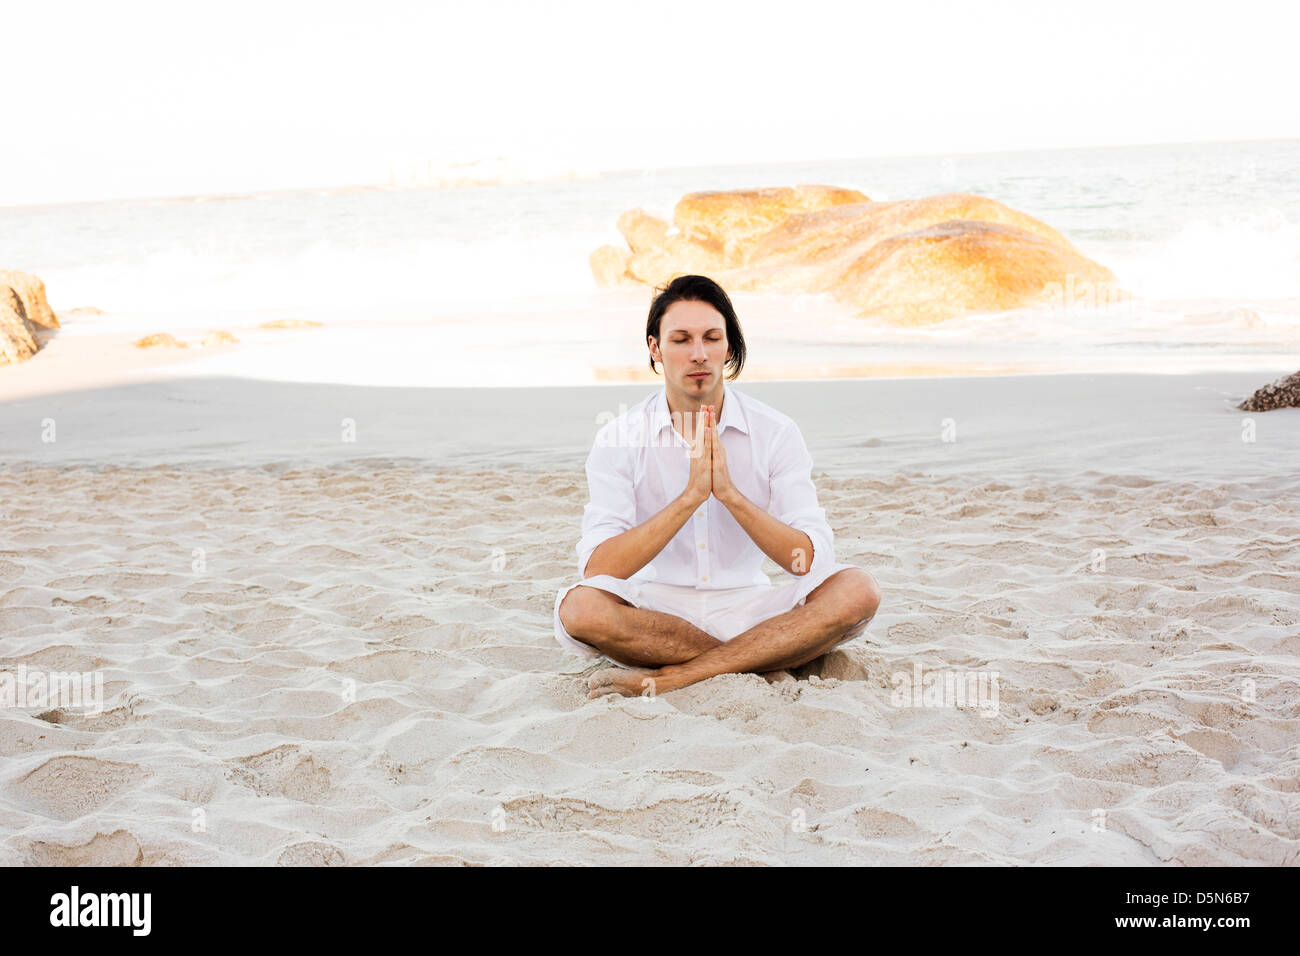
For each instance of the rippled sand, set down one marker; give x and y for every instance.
(354, 664)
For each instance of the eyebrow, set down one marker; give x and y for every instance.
(716, 328)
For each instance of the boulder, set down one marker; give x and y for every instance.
(159, 339)
(31, 291)
(17, 342)
(609, 266)
(218, 337)
(931, 274)
(910, 262)
(678, 254)
(642, 231)
(735, 220)
(1284, 393)
(23, 310)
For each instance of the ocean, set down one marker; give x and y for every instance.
(1207, 237)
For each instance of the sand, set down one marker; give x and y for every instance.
(322, 651)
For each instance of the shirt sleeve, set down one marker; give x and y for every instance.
(794, 497)
(611, 508)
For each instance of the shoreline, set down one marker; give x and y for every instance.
(84, 361)
(597, 338)
(1053, 426)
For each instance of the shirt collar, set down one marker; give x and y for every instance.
(733, 416)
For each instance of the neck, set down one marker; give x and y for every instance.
(681, 403)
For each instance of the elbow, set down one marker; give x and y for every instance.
(801, 557)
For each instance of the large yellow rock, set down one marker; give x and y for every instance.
(642, 230)
(736, 219)
(932, 274)
(678, 255)
(911, 262)
(609, 266)
(31, 291)
(17, 343)
(830, 240)
(23, 310)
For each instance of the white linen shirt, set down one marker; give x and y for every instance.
(639, 463)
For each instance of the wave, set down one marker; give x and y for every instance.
(1255, 256)
(330, 273)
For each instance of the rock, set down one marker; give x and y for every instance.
(829, 241)
(31, 291)
(17, 343)
(218, 337)
(932, 274)
(1284, 393)
(609, 266)
(158, 338)
(737, 219)
(642, 231)
(678, 254)
(23, 310)
(909, 262)
(288, 324)
(83, 310)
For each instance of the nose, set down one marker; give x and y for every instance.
(698, 354)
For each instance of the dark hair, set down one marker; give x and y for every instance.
(698, 289)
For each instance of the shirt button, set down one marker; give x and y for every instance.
(701, 547)
(705, 578)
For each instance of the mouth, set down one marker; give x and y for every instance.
(698, 375)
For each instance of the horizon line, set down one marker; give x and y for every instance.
(596, 173)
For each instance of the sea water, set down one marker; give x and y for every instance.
(1206, 236)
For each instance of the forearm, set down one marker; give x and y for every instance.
(625, 554)
(789, 547)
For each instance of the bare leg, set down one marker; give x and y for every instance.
(631, 635)
(796, 637)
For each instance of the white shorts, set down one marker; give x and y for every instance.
(721, 612)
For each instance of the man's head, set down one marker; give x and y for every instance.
(692, 328)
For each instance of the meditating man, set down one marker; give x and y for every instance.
(690, 488)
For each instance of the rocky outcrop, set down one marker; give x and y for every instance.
(164, 339)
(31, 291)
(1284, 393)
(23, 310)
(734, 221)
(218, 337)
(932, 274)
(909, 262)
(17, 343)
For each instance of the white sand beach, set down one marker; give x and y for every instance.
(324, 651)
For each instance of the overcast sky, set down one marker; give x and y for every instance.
(107, 100)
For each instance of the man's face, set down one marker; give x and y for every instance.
(693, 346)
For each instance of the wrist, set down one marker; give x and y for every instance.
(730, 498)
(691, 501)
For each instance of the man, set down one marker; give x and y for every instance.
(690, 488)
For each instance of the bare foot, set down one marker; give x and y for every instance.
(621, 680)
(778, 677)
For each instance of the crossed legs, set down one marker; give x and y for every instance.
(676, 653)
(628, 634)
